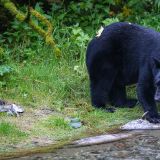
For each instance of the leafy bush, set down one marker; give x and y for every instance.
(85, 17)
(108, 21)
(4, 69)
(74, 13)
(90, 14)
(20, 32)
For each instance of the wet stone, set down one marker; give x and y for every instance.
(121, 154)
(158, 156)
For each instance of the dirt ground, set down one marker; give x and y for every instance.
(27, 122)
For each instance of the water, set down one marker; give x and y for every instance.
(145, 146)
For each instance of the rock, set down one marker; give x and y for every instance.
(75, 123)
(158, 156)
(11, 109)
(15, 108)
(140, 124)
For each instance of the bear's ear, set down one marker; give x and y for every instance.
(157, 62)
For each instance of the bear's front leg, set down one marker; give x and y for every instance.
(146, 92)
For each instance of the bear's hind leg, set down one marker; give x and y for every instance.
(100, 88)
(130, 103)
(98, 95)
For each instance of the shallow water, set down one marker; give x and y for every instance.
(145, 146)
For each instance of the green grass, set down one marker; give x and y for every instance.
(57, 122)
(46, 84)
(10, 131)
(43, 81)
(61, 85)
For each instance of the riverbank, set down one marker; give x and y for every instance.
(142, 146)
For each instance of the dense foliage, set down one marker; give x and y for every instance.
(75, 22)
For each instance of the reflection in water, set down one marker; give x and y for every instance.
(141, 147)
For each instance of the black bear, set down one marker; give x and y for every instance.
(122, 55)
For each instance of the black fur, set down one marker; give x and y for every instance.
(124, 54)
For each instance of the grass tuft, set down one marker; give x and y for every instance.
(57, 122)
(11, 131)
